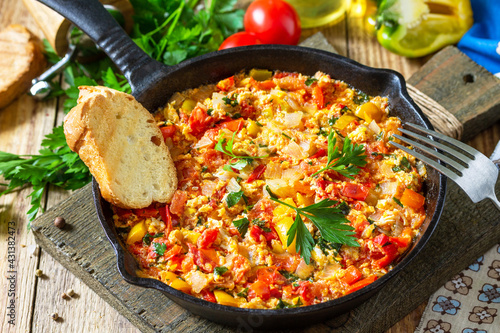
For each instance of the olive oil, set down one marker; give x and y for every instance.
(314, 13)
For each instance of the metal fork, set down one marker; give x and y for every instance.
(475, 173)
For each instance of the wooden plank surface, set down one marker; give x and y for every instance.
(22, 127)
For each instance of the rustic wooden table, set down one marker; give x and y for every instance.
(24, 123)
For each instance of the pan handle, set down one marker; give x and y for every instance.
(93, 19)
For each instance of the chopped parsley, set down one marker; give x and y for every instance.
(219, 271)
(396, 200)
(242, 225)
(148, 237)
(310, 80)
(159, 248)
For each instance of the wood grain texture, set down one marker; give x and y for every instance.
(469, 92)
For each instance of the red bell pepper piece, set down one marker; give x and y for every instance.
(257, 173)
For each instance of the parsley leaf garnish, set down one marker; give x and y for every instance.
(348, 161)
(159, 248)
(219, 271)
(234, 197)
(148, 237)
(242, 225)
(310, 80)
(236, 161)
(327, 217)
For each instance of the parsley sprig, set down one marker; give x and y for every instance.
(236, 162)
(346, 162)
(56, 164)
(327, 216)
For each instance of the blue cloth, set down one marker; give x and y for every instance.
(482, 42)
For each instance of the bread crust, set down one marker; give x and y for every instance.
(118, 139)
(21, 60)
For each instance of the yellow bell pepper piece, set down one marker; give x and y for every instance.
(282, 226)
(369, 112)
(252, 128)
(190, 236)
(225, 299)
(268, 113)
(174, 281)
(260, 74)
(282, 210)
(343, 121)
(137, 233)
(188, 105)
(303, 200)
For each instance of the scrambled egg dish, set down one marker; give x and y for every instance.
(289, 193)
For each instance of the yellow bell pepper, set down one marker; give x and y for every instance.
(137, 233)
(282, 226)
(188, 105)
(260, 74)
(369, 112)
(174, 281)
(190, 236)
(415, 28)
(252, 128)
(224, 298)
(343, 121)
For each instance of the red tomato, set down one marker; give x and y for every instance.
(273, 22)
(242, 38)
(199, 121)
(207, 295)
(207, 238)
(259, 289)
(355, 191)
(168, 131)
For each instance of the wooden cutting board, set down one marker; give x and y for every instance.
(465, 231)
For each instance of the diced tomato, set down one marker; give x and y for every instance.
(207, 295)
(391, 252)
(199, 121)
(306, 292)
(401, 242)
(276, 292)
(270, 235)
(287, 262)
(257, 173)
(317, 97)
(207, 238)
(355, 191)
(412, 199)
(175, 250)
(168, 131)
(320, 153)
(362, 283)
(167, 219)
(267, 85)
(187, 263)
(381, 240)
(270, 275)
(176, 263)
(352, 274)
(241, 266)
(256, 232)
(232, 125)
(259, 289)
(226, 84)
(150, 211)
(201, 259)
(178, 201)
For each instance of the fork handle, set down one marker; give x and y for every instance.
(495, 201)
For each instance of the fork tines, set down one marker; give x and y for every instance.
(466, 155)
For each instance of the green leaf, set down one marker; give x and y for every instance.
(159, 248)
(348, 162)
(233, 198)
(219, 271)
(310, 80)
(148, 237)
(242, 225)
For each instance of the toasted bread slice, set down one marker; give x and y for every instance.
(21, 60)
(118, 139)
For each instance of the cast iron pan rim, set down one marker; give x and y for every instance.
(156, 284)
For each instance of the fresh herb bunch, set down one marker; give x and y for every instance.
(170, 31)
(348, 161)
(327, 216)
